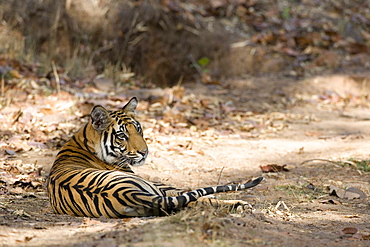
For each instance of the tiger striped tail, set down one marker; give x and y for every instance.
(184, 199)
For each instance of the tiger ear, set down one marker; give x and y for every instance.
(131, 105)
(100, 118)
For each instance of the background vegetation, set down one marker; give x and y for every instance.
(227, 89)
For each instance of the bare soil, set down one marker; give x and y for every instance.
(289, 208)
(219, 131)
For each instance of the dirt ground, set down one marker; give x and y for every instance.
(289, 208)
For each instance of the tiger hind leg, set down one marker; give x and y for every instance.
(231, 204)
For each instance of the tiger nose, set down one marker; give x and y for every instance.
(144, 152)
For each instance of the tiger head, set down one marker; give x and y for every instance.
(121, 136)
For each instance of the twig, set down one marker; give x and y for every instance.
(54, 27)
(284, 205)
(2, 86)
(98, 51)
(195, 64)
(68, 5)
(55, 72)
(219, 177)
(325, 160)
(171, 95)
(126, 42)
(191, 30)
(179, 82)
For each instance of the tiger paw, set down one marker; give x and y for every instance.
(239, 205)
(244, 207)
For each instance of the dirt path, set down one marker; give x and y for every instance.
(290, 208)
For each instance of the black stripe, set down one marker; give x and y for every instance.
(105, 140)
(96, 203)
(78, 143)
(154, 188)
(66, 180)
(253, 183)
(122, 181)
(159, 206)
(129, 201)
(106, 211)
(110, 207)
(225, 188)
(192, 196)
(93, 179)
(86, 139)
(76, 207)
(116, 195)
(83, 176)
(144, 202)
(74, 154)
(182, 201)
(78, 189)
(101, 179)
(169, 203)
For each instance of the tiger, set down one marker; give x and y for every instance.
(92, 177)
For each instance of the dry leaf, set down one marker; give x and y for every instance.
(89, 222)
(330, 201)
(352, 216)
(350, 193)
(21, 213)
(48, 111)
(189, 152)
(313, 133)
(337, 191)
(349, 230)
(357, 191)
(274, 168)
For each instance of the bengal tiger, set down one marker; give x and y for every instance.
(91, 174)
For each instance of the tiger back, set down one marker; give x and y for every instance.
(91, 174)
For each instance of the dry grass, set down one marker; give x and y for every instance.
(88, 39)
